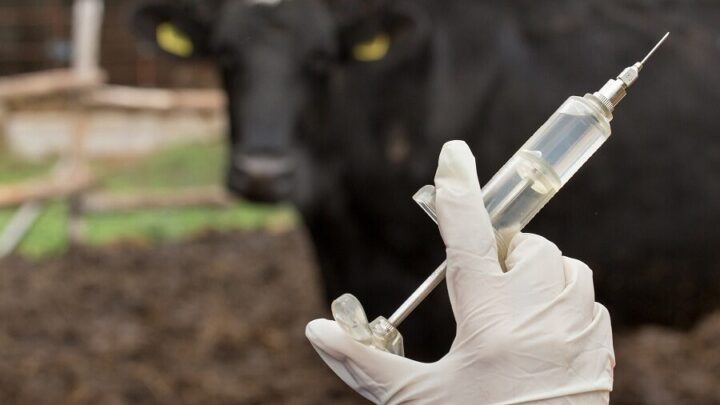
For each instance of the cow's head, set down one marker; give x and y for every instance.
(276, 59)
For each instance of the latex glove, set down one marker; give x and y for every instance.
(531, 334)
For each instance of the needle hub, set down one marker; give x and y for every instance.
(615, 90)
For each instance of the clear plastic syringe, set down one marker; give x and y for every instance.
(513, 196)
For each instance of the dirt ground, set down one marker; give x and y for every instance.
(220, 320)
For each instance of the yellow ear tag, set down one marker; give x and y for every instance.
(373, 49)
(172, 40)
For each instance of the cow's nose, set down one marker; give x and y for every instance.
(262, 178)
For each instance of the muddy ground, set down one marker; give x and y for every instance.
(220, 320)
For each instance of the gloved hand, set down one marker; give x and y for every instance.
(532, 334)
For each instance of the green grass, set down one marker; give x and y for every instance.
(179, 166)
(173, 224)
(47, 236)
(176, 167)
(14, 170)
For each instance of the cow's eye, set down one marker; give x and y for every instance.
(172, 40)
(373, 49)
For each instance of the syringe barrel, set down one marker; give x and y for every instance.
(532, 176)
(571, 135)
(543, 165)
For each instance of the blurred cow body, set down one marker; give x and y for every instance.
(342, 107)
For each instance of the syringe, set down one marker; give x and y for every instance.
(513, 196)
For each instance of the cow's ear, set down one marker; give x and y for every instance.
(167, 28)
(391, 34)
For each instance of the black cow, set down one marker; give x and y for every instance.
(342, 107)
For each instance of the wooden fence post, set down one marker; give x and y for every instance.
(87, 24)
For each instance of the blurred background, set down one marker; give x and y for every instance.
(130, 274)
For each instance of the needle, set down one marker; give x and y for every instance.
(652, 51)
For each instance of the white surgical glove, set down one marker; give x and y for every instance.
(532, 334)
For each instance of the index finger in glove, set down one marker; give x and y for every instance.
(466, 230)
(463, 220)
